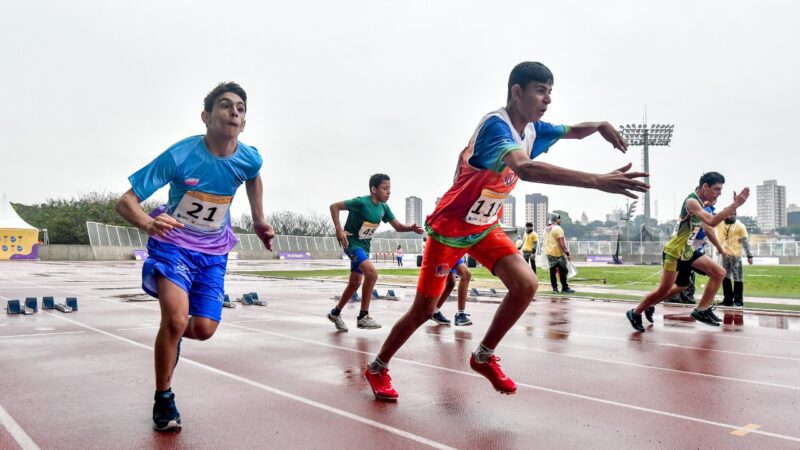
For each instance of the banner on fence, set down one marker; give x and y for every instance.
(294, 255)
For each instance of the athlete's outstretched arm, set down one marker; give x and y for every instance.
(255, 192)
(609, 133)
(619, 181)
(694, 207)
(128, 206)
(401, 227)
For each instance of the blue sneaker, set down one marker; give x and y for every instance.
(462, 320)
(165, 414)
(440, 318)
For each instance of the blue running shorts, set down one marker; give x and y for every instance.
(357, 255)
(201, 275)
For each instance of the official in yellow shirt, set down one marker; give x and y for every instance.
(530, 240)
(555, 247)
(732, 234)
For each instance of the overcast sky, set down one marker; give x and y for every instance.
(93, 90)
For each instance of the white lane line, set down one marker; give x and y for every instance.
(40, 334)
(609, 338)
(591, 358)
(531, 386)
(276, 391)
(16, 431)
(147, 327)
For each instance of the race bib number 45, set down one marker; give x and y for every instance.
(202, 211)
(484, 210)
(367, 230)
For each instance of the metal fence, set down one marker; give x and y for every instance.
(111, 235)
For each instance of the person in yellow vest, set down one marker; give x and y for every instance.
(733, 235)
(555, 247)
(530, 240)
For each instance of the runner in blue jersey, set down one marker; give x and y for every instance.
(191, 235)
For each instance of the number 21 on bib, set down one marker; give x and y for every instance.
(202, 211)
(484, 210)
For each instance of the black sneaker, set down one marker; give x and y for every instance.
(635, 320)
(738, 303)
(712, 316)
(555, 291)
(165, 414)
(567, 290)
(648, 313)
(702, 316)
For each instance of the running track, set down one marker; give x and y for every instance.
(281, 376)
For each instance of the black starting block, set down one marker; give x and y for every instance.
(355, 297)
(475, 292)
(13, 307)
(247, 299)
(48, 303)
(376, 294)
(227, 303)
(390, 295)
(256, 300)
(72, 302)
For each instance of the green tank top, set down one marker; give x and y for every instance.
(680, 245)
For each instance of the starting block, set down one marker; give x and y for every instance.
(256, 300)
(390, 295)
(375, 294)
(69, 305)
(493, 293)
(475, 292)
(48, 303)
(247, 299)
(354, 298)
(13, 307)
(32, 304)
(226, 302)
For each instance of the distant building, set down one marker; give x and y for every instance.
(414, 210)
(793, 215)
(771, 205)
(617, 215)
(584, 219)
(536, 208)
(509, 218)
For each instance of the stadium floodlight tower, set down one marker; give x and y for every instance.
(647, 136)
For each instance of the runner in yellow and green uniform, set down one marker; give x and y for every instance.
(679, 252)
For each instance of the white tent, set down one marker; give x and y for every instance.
(18, 239)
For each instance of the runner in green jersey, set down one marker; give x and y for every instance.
(364, 216)
(679, 251)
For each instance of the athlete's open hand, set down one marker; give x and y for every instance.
(341, 236)
(741, 197)
(417, 229)
(611, 134)
(161, 225)
(623, 182)
(265, 232)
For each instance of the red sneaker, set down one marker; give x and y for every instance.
(381, 384)
(491, 370)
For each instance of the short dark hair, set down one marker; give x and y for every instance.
(711, 178)
(225, 86)
(528, 224)
(526, 72)
(376, 180)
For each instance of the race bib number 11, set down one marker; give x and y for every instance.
(484, 210)
(202, 211)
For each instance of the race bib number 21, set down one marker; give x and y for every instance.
(202, 211)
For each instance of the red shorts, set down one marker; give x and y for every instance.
(438, 259)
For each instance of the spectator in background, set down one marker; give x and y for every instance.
(733, 235)
(399, 255)
(530, 240)
(557, 254)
